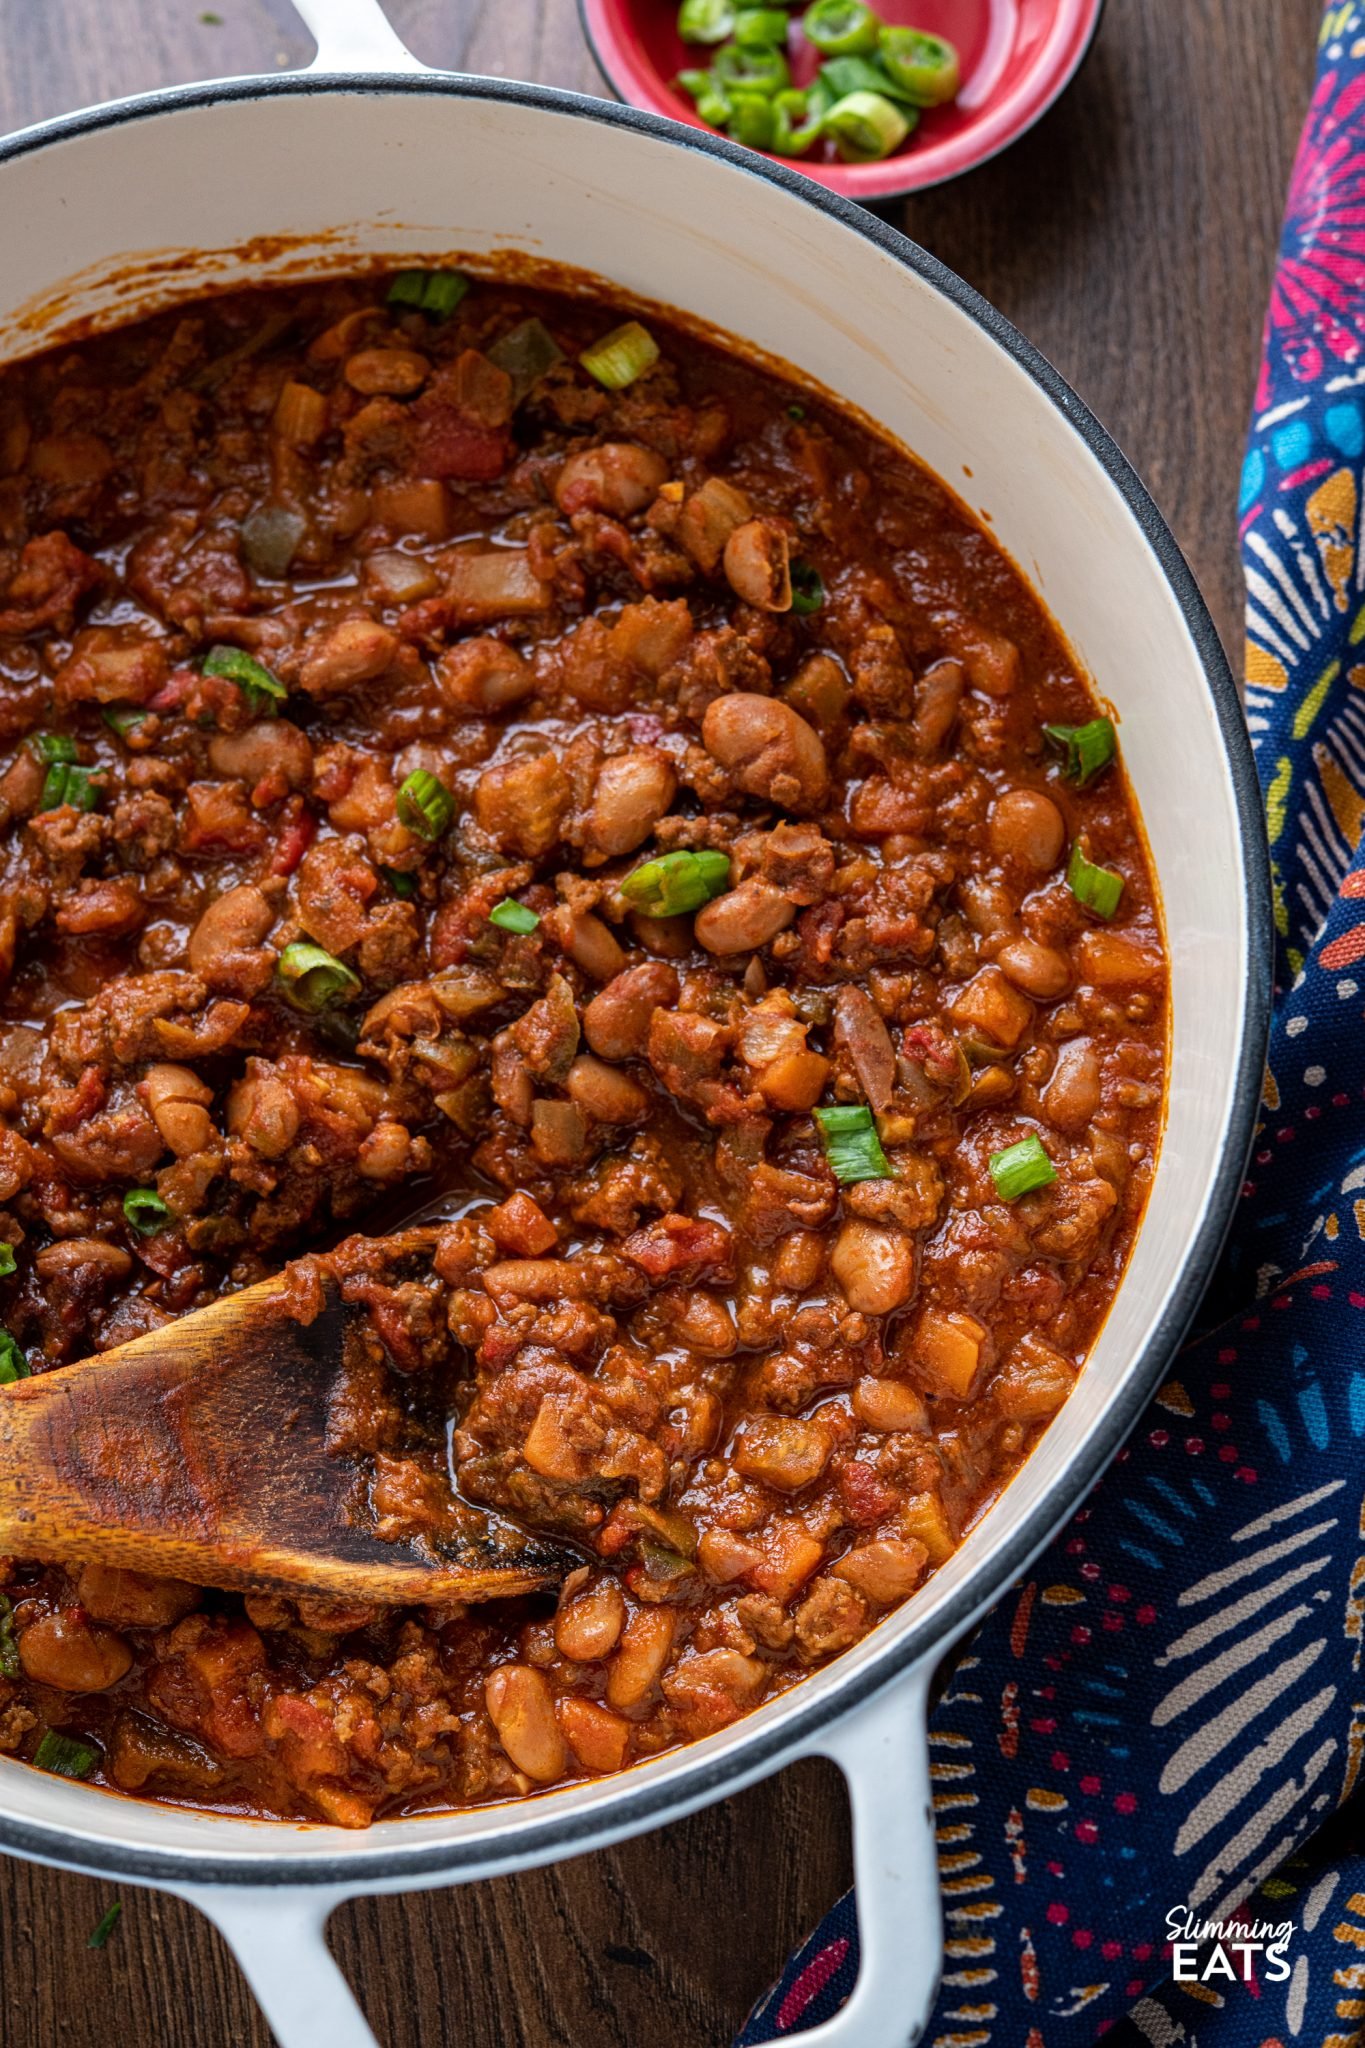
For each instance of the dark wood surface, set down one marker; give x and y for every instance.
(1131, 236)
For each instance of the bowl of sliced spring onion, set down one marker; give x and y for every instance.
(872, 98)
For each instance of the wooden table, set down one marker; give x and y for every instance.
(1131, 236)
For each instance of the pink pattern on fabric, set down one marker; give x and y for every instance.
(810, 1984)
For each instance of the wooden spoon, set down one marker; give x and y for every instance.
(199, 1452)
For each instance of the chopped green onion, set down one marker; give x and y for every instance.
(13, 1364)
(808, 591)
(7, 1261)
(677, 883)
(144, 1211)
(796, 412)
(108, 1921)
(513, 917)
(65, 783)
(1021, 1168)
(425, 805)
(53, 794)
(1088, 748)
(706, 21)
(52, 746)
(924, 66)
(852, 1147)
(10, 1666)
(840, 76)
(761, 27)
(313, 978)
(401, 884)
(526, 352)
(741, 69)
(122, 718)
(753, 120)
(621, 356)
(866, 127)
(65, 1756)
(1099, 889)
(437, 292)
(715, 107)
(263, 690)
(841, 28)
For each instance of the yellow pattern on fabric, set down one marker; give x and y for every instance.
(1331, 512)
(1344, 799)
(1264, 671)
(1276, 797)
(1307, 712)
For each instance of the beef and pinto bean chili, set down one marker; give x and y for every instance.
(609, 790)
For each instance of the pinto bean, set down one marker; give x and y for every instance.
(744, 918)
(875, 1266)
(630, 795)
(617, 477)
(861, 1033)
(262, 1111)
(522, 1709)
(606, 1094)
(758, 565)
(1109, 960)
(66, 1651)
(234, 924)
(90, 1257)
(1040, 971)
(178, 1101)
(484, 675)
(127, 1599)
(638, 1664)
(588, 1626)
(889, 1405)
(272, 750)
(395, 372)
(1027, 827)
(709, 516)
(616, 1021)
(599, 1739)
(768, 748)
(1072, 1094)
(341, 657)
(592, 945)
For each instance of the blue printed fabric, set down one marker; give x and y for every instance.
(1169, 1716)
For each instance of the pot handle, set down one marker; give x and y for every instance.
(882, 1748)
(277, 1935)
(354, 35)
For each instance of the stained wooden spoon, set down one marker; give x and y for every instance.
(200, 1452)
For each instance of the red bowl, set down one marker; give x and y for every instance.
(1017, 57)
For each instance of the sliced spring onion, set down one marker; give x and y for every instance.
(761, 28)
(677, 883)
(841, 28)
(866, 126)
(122, 718)
(10, 1666)
(435, 292)
(1021, 1168)
(1099, 889)
(401, 884)
(425, 805)
(621, 356)
(52, 746)
(513, 917)
(263, 690)
(706, 21)
(13, 1364)
(1088, 748)
(526, 352)
(852, 1147)
(312, 979)
(109, 1920)
(64, 1756)
(144, 1211)
(924, 66)
(7, 1261)
(739, 68)
(796, 412)
(270, 535)
(839, 76)
(753, 120)
(808, 591)
(66, 783)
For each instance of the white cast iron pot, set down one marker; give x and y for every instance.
(158, 198)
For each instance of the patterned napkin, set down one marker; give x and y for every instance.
(1166, 1724)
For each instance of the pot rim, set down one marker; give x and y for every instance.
(541, 1829)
